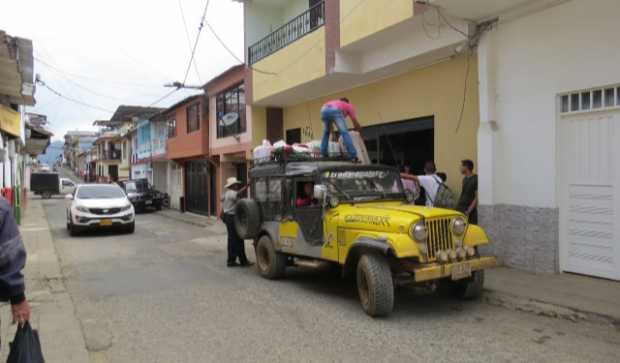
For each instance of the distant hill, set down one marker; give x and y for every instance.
(52, 152)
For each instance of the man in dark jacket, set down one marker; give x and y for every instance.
(12, 261)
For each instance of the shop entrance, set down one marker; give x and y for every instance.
(410, 142)
(196, 186)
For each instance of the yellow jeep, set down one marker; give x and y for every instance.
(359, 219)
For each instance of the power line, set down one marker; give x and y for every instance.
(191, 59)
(163, 97)
(233, 53)
(39, 81)
(467, 66)
(189, 42)
(57, 69)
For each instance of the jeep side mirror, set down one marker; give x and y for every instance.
(319, 192)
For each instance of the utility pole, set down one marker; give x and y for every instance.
(178, 85)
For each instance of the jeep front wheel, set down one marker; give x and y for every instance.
(470, 288)
(271, 263)
(375, 285)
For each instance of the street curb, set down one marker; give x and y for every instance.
(181, 219)
(542, 308)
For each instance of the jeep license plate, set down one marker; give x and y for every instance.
(461, 271)
(105, 222)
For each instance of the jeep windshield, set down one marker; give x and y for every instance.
(361, 185)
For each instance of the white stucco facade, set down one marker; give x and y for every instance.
(525, 63)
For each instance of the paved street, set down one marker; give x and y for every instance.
(165, 295)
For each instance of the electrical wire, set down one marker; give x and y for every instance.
(189, 41)
(39, 81)
(191, 59)
(163, 97)
(57, 69)
(467, 66)
(223, 44)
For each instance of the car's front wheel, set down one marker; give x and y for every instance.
(130, 228)
(271, 263)
(375, 285)
(73, 230)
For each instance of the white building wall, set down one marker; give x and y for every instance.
(524, 64)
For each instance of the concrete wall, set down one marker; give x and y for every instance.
(300, 62)
(524, 64)
(193, 144)
(362, 18)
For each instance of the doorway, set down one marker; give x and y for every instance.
(196, 186)
(409, 142)
(589, 193)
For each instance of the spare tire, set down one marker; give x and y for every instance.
(247, 219)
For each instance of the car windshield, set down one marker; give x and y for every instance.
(356, 185)
(100, 192)
(136, 186)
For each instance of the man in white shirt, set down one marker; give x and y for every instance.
(430, 182)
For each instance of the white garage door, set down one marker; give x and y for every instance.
(590, 193)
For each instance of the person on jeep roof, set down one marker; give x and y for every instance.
(336, 111)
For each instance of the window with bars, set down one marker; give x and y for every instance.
(193, 117)
(230, 111)
(590, 100)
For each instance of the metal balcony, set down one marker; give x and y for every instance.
(303, 24)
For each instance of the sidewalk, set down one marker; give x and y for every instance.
(52, 308)
(193, 219)
(570, 296)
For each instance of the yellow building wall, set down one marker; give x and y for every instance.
(300, 62)
(362, 18)
(259, 125)
(432, 91)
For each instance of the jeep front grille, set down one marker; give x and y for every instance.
(439, 236)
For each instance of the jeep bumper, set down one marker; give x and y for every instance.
(435, 271)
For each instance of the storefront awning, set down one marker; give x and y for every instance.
(10, 121)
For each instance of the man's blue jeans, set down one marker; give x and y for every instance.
(331, 114)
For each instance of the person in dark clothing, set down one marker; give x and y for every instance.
(236, 248)
(12, 261)
(468, 202)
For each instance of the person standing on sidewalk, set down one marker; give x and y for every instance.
(468, 202)
(12, 261)
(336, 111)
(236, 247)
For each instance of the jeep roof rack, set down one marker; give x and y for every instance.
(283, 158)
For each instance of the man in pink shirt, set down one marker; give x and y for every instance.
(336, 111)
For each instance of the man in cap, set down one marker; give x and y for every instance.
(236, 247)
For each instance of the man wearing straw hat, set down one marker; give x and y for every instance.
(236, 247)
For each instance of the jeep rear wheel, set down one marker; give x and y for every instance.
(271, 264)
(375, 285)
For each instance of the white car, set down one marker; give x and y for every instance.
(99, 206)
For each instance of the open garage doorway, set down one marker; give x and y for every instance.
(398, 143)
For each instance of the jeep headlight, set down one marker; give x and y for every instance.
(418, 231)
(458, 226)
(82, 209)
(125, 208)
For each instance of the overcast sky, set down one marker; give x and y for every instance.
(116, 52)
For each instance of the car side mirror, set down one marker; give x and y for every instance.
(319, 192)
(69, 197)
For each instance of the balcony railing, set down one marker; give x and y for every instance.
(303, 24)
(110, 155)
